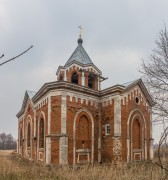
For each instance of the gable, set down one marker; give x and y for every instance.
(137, 87)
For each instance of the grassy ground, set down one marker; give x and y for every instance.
(13, 167)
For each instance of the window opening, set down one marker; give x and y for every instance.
(74, 78)
(107, 129)
(137, 100)
(91, 80)
(41, 134)
(21, 137)
(28, 136)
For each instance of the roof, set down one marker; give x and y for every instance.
(28, 95)
(31, 93)
(79, 55)
(130, 82)
(127, 86)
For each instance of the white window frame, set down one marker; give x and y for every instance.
(107, 129)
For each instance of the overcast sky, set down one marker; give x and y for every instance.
(117, 35)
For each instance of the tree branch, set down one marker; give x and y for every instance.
(15, 56)
(2, 56)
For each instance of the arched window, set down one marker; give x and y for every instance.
(74, 78)
(28, 135)
(91, 79)
(20, 139)
(41, 133)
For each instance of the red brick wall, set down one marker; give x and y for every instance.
(107, 116)
(55, 150)
(55, 114)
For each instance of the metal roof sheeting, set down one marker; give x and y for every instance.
(79, 55)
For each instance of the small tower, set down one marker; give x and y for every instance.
(79, 69)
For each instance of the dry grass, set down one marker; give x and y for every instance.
(13, 168)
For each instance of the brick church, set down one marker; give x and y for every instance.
(72, 121)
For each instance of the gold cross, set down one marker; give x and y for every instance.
(80, 33)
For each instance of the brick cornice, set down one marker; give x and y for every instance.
(60, 85)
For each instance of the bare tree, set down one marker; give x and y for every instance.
(155, 71)
(7, 141)
(13, 57)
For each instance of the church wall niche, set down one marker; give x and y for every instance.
(136, 134)
(83, 138)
